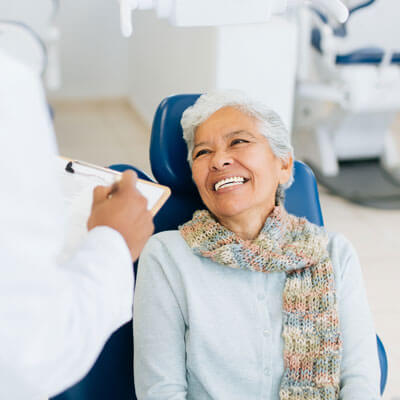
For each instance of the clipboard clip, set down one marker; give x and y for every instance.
(95, 168)
(69, 168)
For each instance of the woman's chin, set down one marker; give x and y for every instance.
(232, 211)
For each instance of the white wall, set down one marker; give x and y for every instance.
(165, 60)
(260, 60)
(159, 60)
(94, 55)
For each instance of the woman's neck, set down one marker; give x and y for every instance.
(246, 225)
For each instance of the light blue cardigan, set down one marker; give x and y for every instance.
(203, 331)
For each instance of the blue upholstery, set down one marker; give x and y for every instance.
(124, 167)
(167, 148)
(383, 362)
(366, 55)
(112, 375)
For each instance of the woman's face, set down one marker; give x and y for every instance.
(234, 168)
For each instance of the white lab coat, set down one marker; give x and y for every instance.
(55, 318)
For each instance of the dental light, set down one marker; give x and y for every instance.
(223, 12)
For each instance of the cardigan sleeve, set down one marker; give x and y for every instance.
(360, 370)
(159, 330)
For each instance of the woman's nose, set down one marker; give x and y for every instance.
(220, 160)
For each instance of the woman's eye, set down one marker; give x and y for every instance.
(201, 152)
(237, 141)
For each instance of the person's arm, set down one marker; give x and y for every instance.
(360, 370)
(58, 318)
(55, 318)
(159, 330)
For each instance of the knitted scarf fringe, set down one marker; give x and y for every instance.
(310, 317)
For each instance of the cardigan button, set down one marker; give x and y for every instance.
(267, 372)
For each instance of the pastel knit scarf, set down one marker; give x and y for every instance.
(312, 343)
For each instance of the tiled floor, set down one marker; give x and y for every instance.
(106, 132)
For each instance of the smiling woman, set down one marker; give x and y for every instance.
(246, 301)
(234, 167)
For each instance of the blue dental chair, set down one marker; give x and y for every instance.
(112, 375)
(168, 162)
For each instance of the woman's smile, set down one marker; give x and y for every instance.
(223, 184)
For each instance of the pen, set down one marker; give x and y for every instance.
(114, 189)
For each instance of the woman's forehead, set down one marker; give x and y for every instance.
(226, 137)
(228, 113)
(226, 122)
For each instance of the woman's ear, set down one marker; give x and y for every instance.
(286, 169)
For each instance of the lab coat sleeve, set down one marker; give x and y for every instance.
(95, 299)
(57, 323)
(54, 318)
(159, 330)
(360, 370)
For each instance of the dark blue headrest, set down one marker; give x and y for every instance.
(168, 151)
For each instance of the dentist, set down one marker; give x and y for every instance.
(55, 318)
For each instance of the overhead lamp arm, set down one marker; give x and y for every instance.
(335, 8)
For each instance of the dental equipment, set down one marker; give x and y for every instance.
(197, 12)
(348, 95)
(32, 34)
(22, 42)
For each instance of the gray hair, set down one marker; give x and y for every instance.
(270, 124)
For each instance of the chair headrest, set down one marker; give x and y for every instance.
(168, 151)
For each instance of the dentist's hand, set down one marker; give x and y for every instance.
(124, 209)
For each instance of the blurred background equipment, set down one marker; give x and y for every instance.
(348, 96)
(28, 31)
(216, 12)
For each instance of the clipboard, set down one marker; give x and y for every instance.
(95, 175)
(77, 194)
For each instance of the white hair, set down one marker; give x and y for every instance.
(270, 124)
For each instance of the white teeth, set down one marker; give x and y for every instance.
(231, 181)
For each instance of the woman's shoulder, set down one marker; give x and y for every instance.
(339, 245)
(165, 239)
(343, 255)
(167, 244)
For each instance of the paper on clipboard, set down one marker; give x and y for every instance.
(77, 189)
(88, 175)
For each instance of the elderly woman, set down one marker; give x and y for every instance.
(246, 301)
